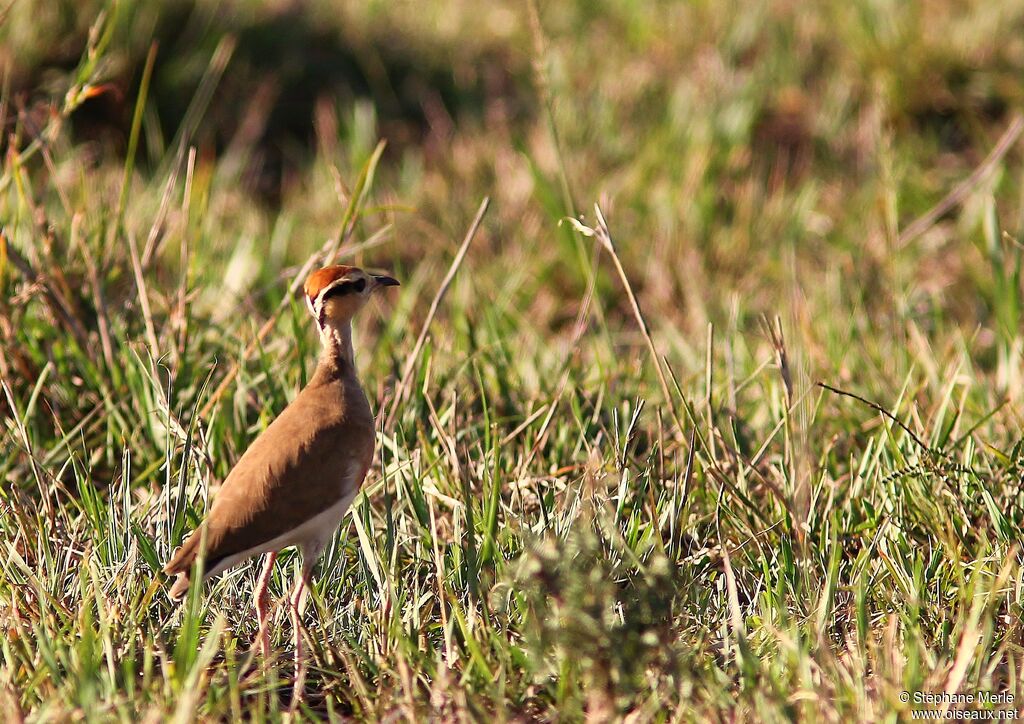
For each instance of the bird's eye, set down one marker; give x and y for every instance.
(345, 288)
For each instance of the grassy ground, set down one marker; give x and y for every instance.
(568, 518)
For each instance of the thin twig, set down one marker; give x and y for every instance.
(154, 238)
(936, 453)
(410, 364)
(603, 235)
(960, 192)
(882, 411)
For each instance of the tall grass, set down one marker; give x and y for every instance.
(607, 482)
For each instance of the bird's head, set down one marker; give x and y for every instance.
(335, 293)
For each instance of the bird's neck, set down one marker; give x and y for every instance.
(336, 338)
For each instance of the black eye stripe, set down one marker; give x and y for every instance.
(346, 288)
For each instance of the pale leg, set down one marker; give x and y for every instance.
(297, 605)
(261, 594)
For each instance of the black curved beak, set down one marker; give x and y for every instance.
(385, 281)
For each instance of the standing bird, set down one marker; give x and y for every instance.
(296, 481)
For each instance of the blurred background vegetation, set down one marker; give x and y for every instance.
(728, 137)
(674, 109)
(798, 192)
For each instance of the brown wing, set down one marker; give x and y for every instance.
(291, 472)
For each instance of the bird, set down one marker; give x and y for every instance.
(297, 479)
